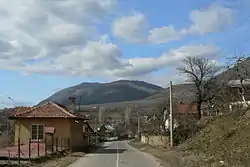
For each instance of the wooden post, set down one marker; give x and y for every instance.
(38, 149)
(68, 143)
(9, 163)
(19, 151)
(61, 144)
(138, 124)
(171, 114)
(29, 149)
(56, 144)
(45, 146)
(64, 143)
(52, 148)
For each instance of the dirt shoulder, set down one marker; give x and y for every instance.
(223, 141)
(61, 161)
(175, 157)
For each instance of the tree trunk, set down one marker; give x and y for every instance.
(199, 110)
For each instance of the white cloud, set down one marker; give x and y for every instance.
(104, 59)
(95, 57)
(212, 19)
(39, 38)
(46, 28)
(65, 35)
(163, 34)
(142, 66)
(131, 28)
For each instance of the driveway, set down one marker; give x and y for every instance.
(116, 154)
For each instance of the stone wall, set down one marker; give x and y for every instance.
(159, 141)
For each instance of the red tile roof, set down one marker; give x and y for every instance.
(20, 110)
(49, 110)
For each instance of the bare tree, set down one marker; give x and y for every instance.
(201, 72)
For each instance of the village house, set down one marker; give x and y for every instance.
(189, 109)
(241, 96)
(48, 122)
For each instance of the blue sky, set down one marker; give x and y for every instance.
(49, 45)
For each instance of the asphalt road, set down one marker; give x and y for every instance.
(116, 154)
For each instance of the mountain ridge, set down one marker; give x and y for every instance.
(181, 92)
(94, 93)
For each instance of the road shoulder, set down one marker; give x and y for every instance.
(174, 157)
(65, 161)
(61, 161)
(146, 154)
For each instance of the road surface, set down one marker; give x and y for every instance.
(116, 154)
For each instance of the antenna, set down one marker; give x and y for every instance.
(13, 101)
(73, 100)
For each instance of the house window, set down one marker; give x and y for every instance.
(37, 132)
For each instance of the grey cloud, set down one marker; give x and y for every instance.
(36, 29)
(4, 47)
(68, 47)
(81, 11)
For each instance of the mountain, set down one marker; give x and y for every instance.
(186, 92)
(100, 93)
(182, 92)
(146, 106)
(150, 103)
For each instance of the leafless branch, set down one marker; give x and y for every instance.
(201, 72)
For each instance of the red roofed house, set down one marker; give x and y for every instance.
(190, 109)
(50, 121)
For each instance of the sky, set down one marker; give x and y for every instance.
(48, 45)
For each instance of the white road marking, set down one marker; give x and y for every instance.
(117, 156)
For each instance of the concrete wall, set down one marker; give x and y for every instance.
(23, 128)
(159, 141)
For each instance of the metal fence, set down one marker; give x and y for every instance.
(34, 150)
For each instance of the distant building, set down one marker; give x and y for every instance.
(236, 88)
(107, 130)
(237, 83)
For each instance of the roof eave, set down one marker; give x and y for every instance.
(21, 117)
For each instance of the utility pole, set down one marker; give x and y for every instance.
(8, 123)
(171, 114)
(79, 104)
(127, 116)
(73, 100)
(100, 115)
(138, 122)
(96, 126)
